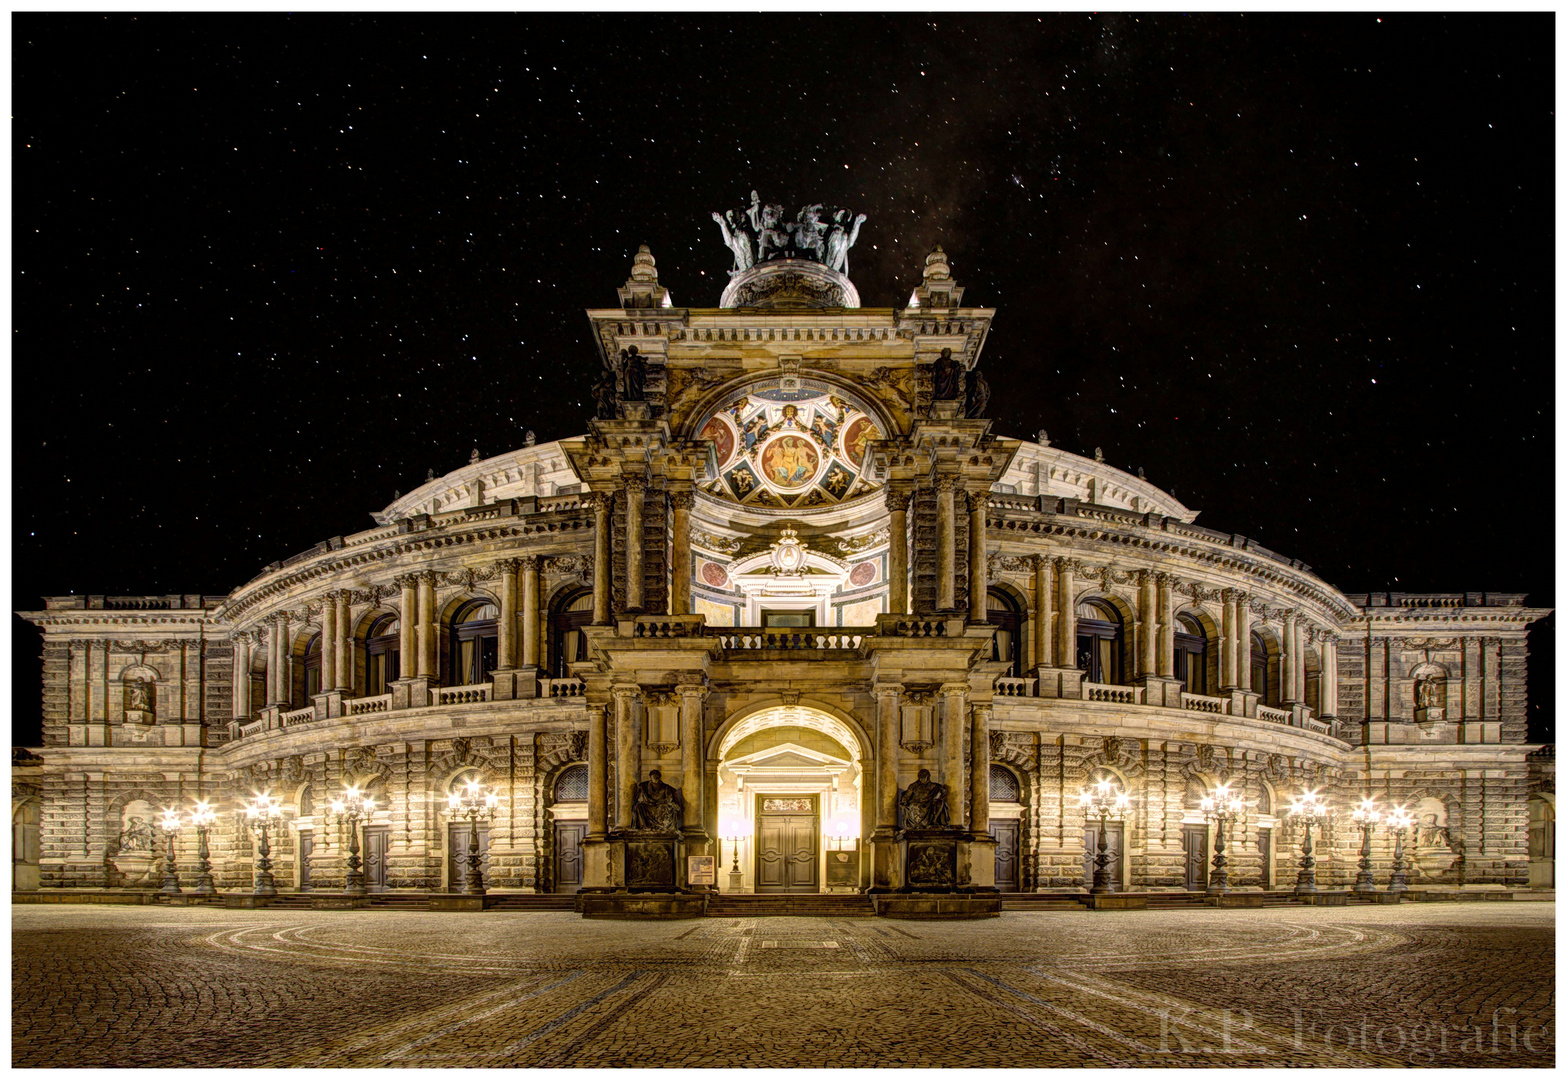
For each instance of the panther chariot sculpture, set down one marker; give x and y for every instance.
(780, 263)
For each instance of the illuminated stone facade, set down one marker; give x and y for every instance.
(789, 569)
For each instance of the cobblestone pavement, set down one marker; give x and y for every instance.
(1427, 984)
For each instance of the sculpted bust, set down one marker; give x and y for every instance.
(924, 803)
(656, 805)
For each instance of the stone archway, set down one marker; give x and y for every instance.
(790, 797)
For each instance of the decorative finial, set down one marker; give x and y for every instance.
(643, 267)
(1099, 454)
(936, 268)
(1043, 439)
(642, 289)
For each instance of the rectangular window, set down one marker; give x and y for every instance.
(784, 619)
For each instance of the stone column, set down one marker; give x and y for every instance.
(598, 774)
(506, 625)
(283, 688)
(428, 666)
(1148, 624)
(1327, 696)
(1044, 615)
(680, 503)
(602, 558)
(888, 717)
(691, 763)
(408, 626)
(1288, 685)
(635, 488)
(954, 724)
(898, 552)
(530, 610)
(1066, 614)
(241, 673)
(979, 770)
(946, 543)
(1166, 659)
(628, 747)
(1242, 651)
(345, 642)
(1228, 679)
(328, 642)
(978, 568)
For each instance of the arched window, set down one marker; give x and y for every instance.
(312, 668)
(382, 657)
(1259, 671)
(572, 784)
(1004, 785)
(474, 646)
(1007, 644)
(1099, 641)
(1191, 655)
(567, 642)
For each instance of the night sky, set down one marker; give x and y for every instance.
(270, 268)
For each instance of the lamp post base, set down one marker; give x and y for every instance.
(265, 886)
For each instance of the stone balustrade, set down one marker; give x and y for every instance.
(1007, 687)
(1202, 703)
(297, 716)
(1116, 695)
(1277, 716)
(562, 688)
(366, 705)
(753, 638)
(462, 695)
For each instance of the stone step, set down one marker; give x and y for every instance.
(534, 902)
(749, 906)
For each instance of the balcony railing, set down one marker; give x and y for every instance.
(1117, 695)
(561, 688)
(1277, 716)
(1007, 687)
(754, 638)
(1202, 703)
(297, 716)
(462, 695)
(366, 705)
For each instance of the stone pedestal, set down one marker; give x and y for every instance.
(886, 861)
(1159, 691)
(652, 861)
(603, 864)
(514, 684)
(981, 859)
(930, 861)
(412, 693)
(918, 905)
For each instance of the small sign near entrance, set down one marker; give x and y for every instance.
(701, 870)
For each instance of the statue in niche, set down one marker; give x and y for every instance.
(948, 375)
(138, 696)
(655, 805)
(1426, 695)
(633, 368)
(737, 237)
(840, 238)
(136, 835)
(976, 394)
(924, 803)
(810, 235)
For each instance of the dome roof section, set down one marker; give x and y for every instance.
(793, 445)
(1049, 470)
(540, 470)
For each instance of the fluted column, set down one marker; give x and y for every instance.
(1148, 623)
(887, 720)
(241, 697)
(628, 751)
(283, 688)
(978, 567)
(408, 626)
(1242, 653)
(1327, 691)
(1066, 615)
(1288, 682)
(506, 625)
(603, 557)
(598, 774)
(898, 552)
(1166, 598)
(328, 641)
(691, 699)
(946, 543)
(954, 728)
(979, 770)
(345, 643)
(1228, 678)
(636, 487)
(1044, 612)
(428, 666)
(680, 503)
(529, 583)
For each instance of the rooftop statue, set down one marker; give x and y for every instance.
(761, 233)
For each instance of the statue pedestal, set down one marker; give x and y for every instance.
(142, 869)
(930, 860)
(651, 860)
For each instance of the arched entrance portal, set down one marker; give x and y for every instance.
(789, 803)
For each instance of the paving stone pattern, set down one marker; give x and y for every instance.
(1450, 985)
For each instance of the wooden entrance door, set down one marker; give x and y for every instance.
(1195, 837)
(376, 838)
(457, 836)
(307, 844)
(568, 855)
(786, 849)
(1265, 849)
(1005, 831)
(1112, 845)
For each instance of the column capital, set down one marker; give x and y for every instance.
(1064, 562)
(527, 562)
(983, 712)
(1233, 596)
(426, 577)
(692, 690)
(898, 501)
(600, 501)
(947, 483)
(891, 690)
(954, 689)
(406, 581)
(621, 691)
(635, 484)
(1144, 575)
(1164, 578)
(977, 499)
(682, 500)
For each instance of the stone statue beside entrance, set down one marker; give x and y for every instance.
(924, 804)
(655, 805)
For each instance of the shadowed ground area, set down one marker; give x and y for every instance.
(1417, 984)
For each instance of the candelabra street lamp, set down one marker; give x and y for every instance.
(733, 830)
(475, 804)
(1367, 816)
(1310, 808)
(169, 822)
(1222, 807)
(1398, 819)
(1108, 803)
(349, 808)
(262, 814)
(201, 817)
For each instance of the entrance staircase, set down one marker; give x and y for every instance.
(821, 905)
(533, 902)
